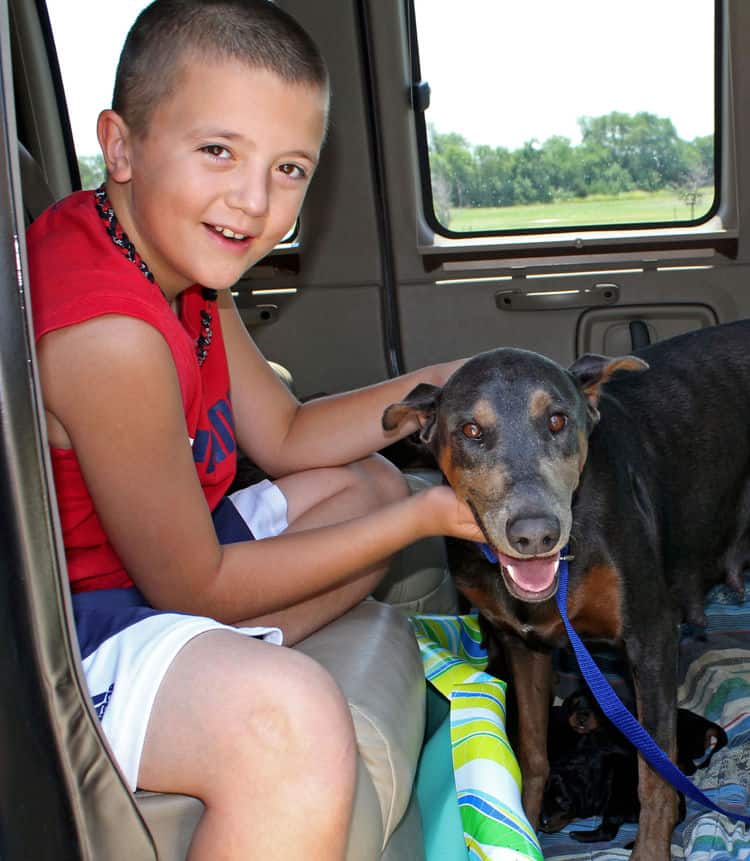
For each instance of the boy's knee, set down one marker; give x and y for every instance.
(303, 705)
(384, 480)
(292, 721)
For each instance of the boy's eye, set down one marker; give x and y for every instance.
(216, 150)
(294, 171)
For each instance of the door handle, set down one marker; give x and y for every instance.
(553, 300)
(639, 334)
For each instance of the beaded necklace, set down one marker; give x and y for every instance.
(121, 240)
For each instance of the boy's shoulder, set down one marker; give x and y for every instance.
(74, 206)
(67, 235)
(76, 271)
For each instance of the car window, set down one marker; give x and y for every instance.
(87, 66)
(546, 115)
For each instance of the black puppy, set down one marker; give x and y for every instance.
(594, 771)
(641, 465)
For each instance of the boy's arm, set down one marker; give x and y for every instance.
(119, 403)
(283, 436)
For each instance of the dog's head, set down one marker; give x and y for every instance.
(582, 713)
(510, 431)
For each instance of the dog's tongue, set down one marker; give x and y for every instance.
(531, 575)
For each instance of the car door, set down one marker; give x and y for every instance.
(61, 796)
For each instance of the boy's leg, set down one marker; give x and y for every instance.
(264, 737)
(320, 497)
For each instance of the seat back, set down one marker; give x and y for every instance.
(37, 195)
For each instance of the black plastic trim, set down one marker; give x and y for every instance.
(57, 82)
(388, 299)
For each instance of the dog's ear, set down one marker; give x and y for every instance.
(592, 371)
(421, 403)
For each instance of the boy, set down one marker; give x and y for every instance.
(149, 376)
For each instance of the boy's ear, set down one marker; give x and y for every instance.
(592, 371)
(114, 140)
(421, 403)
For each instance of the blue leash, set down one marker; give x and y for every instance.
(620, 716)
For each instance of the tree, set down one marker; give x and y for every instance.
(645, 147)
(618, 153)
(494, 176)
(452, 163)
(91, 170)
(564, 168)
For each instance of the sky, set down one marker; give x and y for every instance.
(502, 72)
(507, 71)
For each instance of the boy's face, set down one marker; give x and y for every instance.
(219, 177)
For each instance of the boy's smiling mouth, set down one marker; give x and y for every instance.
(228, 233)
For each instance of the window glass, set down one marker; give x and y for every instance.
(88, 46)
(548, 116)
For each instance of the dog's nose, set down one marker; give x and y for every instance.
(533, 536)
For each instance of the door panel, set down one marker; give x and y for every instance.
(618, 331)
(328, 337)
(445, 292)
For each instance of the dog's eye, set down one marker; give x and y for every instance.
(471, 430)
(557, 422)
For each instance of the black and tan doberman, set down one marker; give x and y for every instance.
(640, 464)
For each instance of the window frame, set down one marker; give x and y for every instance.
(716, 229)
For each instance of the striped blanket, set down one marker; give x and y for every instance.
(486, 773)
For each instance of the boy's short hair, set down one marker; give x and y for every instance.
(169, 32)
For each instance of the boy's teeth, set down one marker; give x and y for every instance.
(230, 234)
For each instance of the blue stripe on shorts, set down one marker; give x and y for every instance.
(229, 524)
(102, 613)
(105, 612)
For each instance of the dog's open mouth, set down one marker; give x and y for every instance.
(533, 579)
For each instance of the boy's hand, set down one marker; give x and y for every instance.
(450, 515)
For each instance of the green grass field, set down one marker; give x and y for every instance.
(637, 207)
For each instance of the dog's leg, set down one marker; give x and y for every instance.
(653, 658)
(532, 682)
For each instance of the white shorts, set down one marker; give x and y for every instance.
(127, 646)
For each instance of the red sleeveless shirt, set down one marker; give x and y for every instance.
(76, 273)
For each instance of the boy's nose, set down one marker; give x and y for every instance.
(250, 195)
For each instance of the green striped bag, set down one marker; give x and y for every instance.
(487, 776)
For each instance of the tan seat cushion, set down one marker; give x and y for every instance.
(372, 654)
(418, 580)
(380, 672)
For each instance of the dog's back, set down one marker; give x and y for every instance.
(674, 441)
